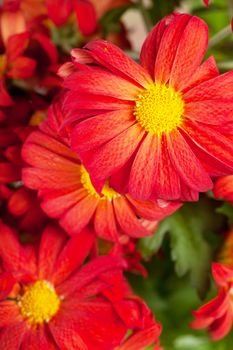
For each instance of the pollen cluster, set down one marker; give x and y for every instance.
(159, 109)
(39, 303)
(107, 192)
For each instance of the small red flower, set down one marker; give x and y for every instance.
(158, 126)
(69, 195)
(49, 300)
(217, 315)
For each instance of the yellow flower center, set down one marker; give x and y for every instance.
(159, 109)
(107, 191)
(39, 303)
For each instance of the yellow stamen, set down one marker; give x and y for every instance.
(107, 191)
(39, 303)
(159, 109)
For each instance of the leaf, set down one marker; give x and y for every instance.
(227, 210)
(190, 232)
(190, 251)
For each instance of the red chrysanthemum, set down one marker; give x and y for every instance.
(217, 315)
(223, 188)
(155, 130)
(49, 301)
(225, 255)
(68, 193)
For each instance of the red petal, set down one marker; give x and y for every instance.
(51, 244)
(11, 251)
(222, 274)
(84, 9)
(59, 10)
(189, 54)
(215, 147)
(114, 59)
(56, 203)
(78, 217)
(167, 185)
(8, 173)
(5, 99)
(187, 164)
(142, 339)
(6, 284)
(150, 47)
(16, 45)
(94, 132)
(89, 272)
(21, 201)
(66, 336)
(11, 337)
(219, 88)
(168, 47)
(128, 220)
(101, 82)
(223, 188)
(152, 210)
(22, 68)
(206, 71)
(9, 313)
(105, 221)
(213, 309)
(145, 163)
(38, 339)
(47, 44)
(72, 255)
(110, 157)
(222, 326)
(207, 112)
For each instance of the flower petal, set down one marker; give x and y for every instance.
(167, 185)
(105, 221)
(187, 164)
(145, 162)
(206, 71)
(77, 217)
(168, 47)
(114, 59)
(51, 244)
(128, 220)
(150, 47)
(11, 337)
(9, 313)
(89, 272)
(222, 326)
(72, 255)
(214, 146)
(189, 54)
(207, 112)
(107, 159)
(94, 132)
(101, 82)
(218, 88)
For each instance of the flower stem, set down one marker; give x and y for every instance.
(216, 39)
(145, 15)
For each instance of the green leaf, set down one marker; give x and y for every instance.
(227, 210)
(189, 250)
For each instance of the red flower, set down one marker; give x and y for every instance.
(68, 193)
(217, 315)
(14, 64)
(223, 188)
(158, 127)
(53, 302)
